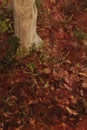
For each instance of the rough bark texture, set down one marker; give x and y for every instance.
(25, 18)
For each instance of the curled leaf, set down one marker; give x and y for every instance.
(83, 74)
(71, 111)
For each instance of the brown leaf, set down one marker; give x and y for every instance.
(71, 111)
(83, 74)
(47, 70)
(52, 1)
(84, 84)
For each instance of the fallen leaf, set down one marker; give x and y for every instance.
(83, 74)
(71, 111)
(84, 84)
(47, 70)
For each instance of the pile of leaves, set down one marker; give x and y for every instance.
(47, 90)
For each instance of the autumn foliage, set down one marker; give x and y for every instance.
(47, 90)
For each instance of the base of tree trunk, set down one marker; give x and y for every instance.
(25, 21)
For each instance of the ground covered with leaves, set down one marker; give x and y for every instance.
(47, 90)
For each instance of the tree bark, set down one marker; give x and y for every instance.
(25, 20)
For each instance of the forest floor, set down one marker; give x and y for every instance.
(47, 90)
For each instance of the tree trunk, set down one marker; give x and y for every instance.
(25, 19)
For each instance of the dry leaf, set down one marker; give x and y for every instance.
(52, 1)
(47, 71)
(84, 84)
(83, 74)
(71, 111)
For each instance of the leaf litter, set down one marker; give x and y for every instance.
(47, 90)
